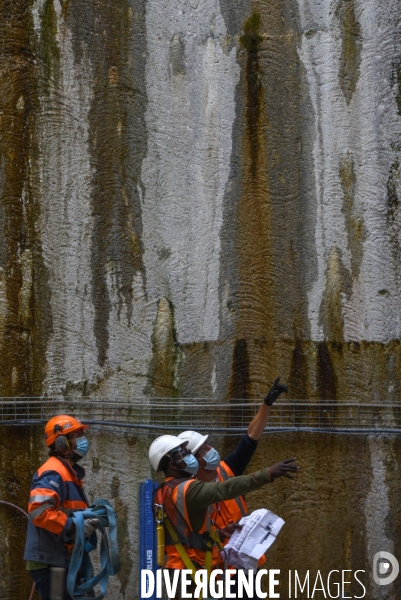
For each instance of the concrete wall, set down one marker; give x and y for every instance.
(195, 197)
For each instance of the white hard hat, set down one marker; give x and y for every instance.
(162, 446)
(195, 440)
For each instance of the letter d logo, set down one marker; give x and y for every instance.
(382, 562)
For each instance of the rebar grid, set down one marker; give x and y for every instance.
(145, 415)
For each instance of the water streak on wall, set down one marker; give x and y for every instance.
(195, 197)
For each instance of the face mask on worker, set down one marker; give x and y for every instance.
(212, 459)
(191, 464)
(82, 446)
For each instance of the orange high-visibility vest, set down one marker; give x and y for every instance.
(230, 511)
(172, 496)
(49, 506)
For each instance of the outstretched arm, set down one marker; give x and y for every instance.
(200, 495)
(258, 423)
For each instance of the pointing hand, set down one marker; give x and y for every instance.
(283, 469)
(275, 391)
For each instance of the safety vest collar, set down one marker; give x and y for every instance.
(224, 471)
(179, 479)
(61, 466)
(76, 470)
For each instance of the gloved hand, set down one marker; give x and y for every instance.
(275, 391)
(228, 530)
(283, 469)
(90, 526)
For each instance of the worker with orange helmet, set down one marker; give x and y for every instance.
(56, 492)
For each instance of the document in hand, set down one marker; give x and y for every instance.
(246, 546)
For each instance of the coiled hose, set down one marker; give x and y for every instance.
(26, 514)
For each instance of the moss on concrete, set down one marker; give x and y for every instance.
(396, 80)
(26, 315)
(50, 52)
(165, 353)
(20, 455)
(350, 59)
(354, 223)
(338, 287)
(115, 43)
(251, 40)
(393, 209)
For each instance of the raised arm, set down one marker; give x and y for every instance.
(258, 423)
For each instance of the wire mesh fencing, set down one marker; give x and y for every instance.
(150, 415)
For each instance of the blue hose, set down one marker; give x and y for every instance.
(81, 565)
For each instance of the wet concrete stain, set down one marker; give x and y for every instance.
(350, 59)
(396, 82)
(50, 52)
(115, 43)
(354, 223)
(393, 210)
(115, 487)
(270, 232)
(240, 379)
(289, 139)
(239, 389)
(162, 375)
(393, 523)
(253, 240)
(177, 55)
(298, 376)
(20, 449)
(194, 373)
(26, 315)
(251, 40)
(338, 286)
(332, 371)
(3, 244)
(331, 490)
(325, 373)
(123, 544)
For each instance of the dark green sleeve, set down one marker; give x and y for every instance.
(200, 495)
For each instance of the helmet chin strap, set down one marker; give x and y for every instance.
(73, 455)
(176, 464)
(69, 455)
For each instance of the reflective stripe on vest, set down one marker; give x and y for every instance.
(180, 521)
(74, 486)
(224, 474)
(171, 494)
(197, 540)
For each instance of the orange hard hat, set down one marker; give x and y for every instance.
(61, 425)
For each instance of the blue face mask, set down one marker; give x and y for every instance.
(82, 446)
(191, 464)
(212, 459)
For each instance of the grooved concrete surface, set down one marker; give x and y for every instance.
(195, 197)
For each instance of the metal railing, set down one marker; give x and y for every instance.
(145, 415)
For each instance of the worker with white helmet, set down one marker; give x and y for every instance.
(185, 500)
(211, 468)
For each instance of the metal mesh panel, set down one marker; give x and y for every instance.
(146, 415)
